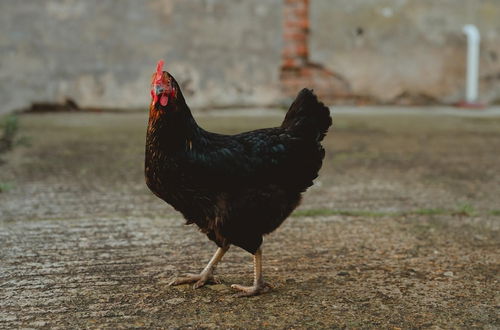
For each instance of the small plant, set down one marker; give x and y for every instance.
(430, 212)
(10, 128)
(466, 210)
(462, 210)
(347, 213)
(8, 131)
(4, 187)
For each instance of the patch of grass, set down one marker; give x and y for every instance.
(5, 187)
(326, 212)
(495, 212)
(463, 210)
(373, 214)
(312, 213)
(10, 127)
(429, 212)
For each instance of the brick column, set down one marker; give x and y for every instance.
(297, 71)
(296, 31)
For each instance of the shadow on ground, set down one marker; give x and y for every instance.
(401, 230)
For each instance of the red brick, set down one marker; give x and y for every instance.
(296, 70)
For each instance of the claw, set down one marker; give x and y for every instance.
(207, 275)
(248, 291)
(199, 280)
(202, 282)
(259, 286)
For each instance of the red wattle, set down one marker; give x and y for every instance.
(164, 100)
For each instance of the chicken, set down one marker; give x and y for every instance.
(235, 188)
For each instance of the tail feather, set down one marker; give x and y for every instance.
(307, 116)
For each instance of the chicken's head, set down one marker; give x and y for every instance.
(164, 88)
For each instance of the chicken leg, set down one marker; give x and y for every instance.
(259, 286)
(206, 275)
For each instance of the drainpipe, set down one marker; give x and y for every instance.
(473, 39)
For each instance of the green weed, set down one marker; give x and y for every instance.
(429, 212)
(462, 210)
(465, 209)
(348, 213)
(10, 127)
(5, 187)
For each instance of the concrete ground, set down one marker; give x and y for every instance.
(401, 230)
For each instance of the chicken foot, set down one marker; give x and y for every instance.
(259, 286)
(206, 275)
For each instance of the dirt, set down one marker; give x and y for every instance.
(401, 230)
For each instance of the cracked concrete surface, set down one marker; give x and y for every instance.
(83, 244)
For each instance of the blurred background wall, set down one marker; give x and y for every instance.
(407, 51)
(229, 52)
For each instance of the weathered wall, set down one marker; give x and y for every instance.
(103, 52)
(228, 52)
(396, 49)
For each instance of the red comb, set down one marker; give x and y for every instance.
(159, 72)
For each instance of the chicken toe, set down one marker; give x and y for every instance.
(254, 290)
(259, 286)
(206, 276)
(199, 280)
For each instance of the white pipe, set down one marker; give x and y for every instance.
(473, 39)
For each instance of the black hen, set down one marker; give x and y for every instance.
(235, 188)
